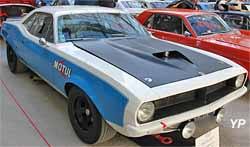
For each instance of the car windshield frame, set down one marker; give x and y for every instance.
(86, 26)
(220, 20)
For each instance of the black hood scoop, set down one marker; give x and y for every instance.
(152, 61)
(168, 55)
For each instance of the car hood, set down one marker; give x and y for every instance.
(152, 61)
(234, 38)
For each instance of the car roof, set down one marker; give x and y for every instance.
(16, 4)
(178, 11)
(234, 12)
(69, 9)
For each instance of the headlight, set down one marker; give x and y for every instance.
(220, 115)
(188, 130)
(146, 112)
(239, 81)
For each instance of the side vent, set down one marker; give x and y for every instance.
(171, 55)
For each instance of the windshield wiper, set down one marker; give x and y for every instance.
(208, 33)
(225, 31)
(119, 35)
(80, 39)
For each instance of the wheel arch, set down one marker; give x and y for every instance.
(108, 101)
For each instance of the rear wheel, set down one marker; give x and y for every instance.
(86, 120)
(14, 63)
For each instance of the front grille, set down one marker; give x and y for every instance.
(193, 99)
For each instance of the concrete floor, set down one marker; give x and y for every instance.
(24, 102)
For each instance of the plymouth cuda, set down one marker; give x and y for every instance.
(117, 77)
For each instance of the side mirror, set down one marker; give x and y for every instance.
(39, 4)
(42, 41)
(151, 33)
(187, 34)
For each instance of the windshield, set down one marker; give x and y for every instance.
(132, 4)
(98, 26)
(15, 10)
(158, 4)
(208, 24)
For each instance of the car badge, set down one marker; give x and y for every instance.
(148, 80)
(201, 73)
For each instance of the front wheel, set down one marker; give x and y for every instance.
(86, 120)
(14, 63)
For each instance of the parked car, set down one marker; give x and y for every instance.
(246, 6)
(117, 77)
(105, 3)
(28, 2)
(206, 6)
(236, 19)
(203, 30)
(40, 3)
(154, 3)
(13, 11)
(243, 6)
(184, 4)
(130, 6)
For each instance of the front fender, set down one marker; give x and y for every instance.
(109, 101)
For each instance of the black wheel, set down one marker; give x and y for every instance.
(14, 63)
(86, 120)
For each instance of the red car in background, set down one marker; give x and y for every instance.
(14, 9)
(203, 30)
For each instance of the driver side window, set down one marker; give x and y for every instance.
(168, 23)
(29, 22)
(42, 26)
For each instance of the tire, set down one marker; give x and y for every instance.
(14, 63)
(87, 123)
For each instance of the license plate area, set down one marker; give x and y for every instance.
(209, 139)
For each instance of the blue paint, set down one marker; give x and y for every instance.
(109, 101)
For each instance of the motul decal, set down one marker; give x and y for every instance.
(64, 70)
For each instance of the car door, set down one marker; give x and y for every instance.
(168, 27)
(36, 44)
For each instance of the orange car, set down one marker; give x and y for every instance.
(203, 30)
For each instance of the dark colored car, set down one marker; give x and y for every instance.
(236, 19)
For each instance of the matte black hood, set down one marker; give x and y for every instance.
(152, 61)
